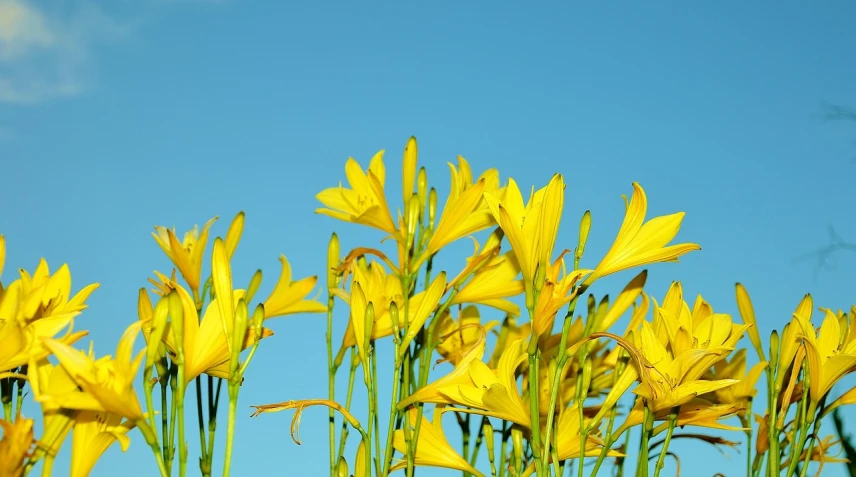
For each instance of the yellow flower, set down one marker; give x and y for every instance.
(365, 202)
(455, 338)
(484, 391)
(493, 284)
(557, 292)
(289, 297)
(15, 446)
(21, 342)
(830, 357)
(93, 433)
(48, 380)
(531, 230)
(108, 384)
(466, 211)
(745, 389)
(187, 254)
(432, 447)
(43, 295)
(641, 243)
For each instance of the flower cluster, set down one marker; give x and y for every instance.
(538, 373)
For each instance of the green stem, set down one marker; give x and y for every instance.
(374, 405)
(534, 414)
(21, 384)
(47, 466)
(647, 426)
(661, 460)
(393, 411)
(351, 379)
(179, 404)
(151, 439)
(164, 418)
(230, 426)
(6, 391)
(200, 417)
(213, 405)
(331, 382)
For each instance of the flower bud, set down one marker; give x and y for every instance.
(253, 287)
(432, 207)
(422, 190)
(233, 235)
(333, 259)
(585, 227)
(342, 467)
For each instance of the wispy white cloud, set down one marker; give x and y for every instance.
(48, 54)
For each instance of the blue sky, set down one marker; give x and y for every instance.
(117, 116)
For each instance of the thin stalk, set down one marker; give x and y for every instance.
(173, 416)
(534, 414)
(748, 426)
(213, 404)
(350, 394)
(815, 438)
(230, 425)
(179, 404)
(661, 460)
(647, 426)
(164, 417)
(21, 384)
(6, 391)
(374, 397)
(464, 424)
(47, 465)
(152, 441)
(331, 382)
(503, 447)
(200, 419)
(393, 410)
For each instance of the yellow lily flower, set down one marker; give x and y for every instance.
(107, 384)
(829, 357)
(641, 243)
(466, 210)
(455, 338)
(93, 433)
(735, 368)
(485, 391)
(697, 412)
(556, 293)
(43, 295)
(21, 342)
(187, 254)
(206, 341)
(432, 447)
(289, 297)
(365, 202)
(531, 230)
(625, 300)
(493, 284)
(48, 380)
(15, 446)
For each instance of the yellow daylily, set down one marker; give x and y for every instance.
(557, 292)
(93, 433)
(43, 294)
(455, 338)
(641, 243)
(108, 384)
(829, 357)
(48, 380)
(531, 230)
(466, 210)
(735, 368)
(493, 284)
(24, 342)
(365, 202)
(187, 254)
(15, 446)
(432, 447)
(289, 297)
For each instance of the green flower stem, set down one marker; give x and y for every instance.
(376, 422)
(367, 378)
(200, 417)
(661, 460)
(21, 383)
(350, 394)
(179, 405)
(6, 391)
(534, 415)
(173, 415)
(647, 426)
(393, 405)
(47, 466)
(234, 388)
(331, 381)
(503, 448)
(213, 404)
(151, 439)
(815, 437)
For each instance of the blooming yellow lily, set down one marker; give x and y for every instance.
(493, 284)
(93, 433)
(466, 211)
(641, 243)
(15, 446)
(432, 447)
(289, 297)
(187, 254)
(455, 338)
(108, 384)
(365, 202)
(830, 358)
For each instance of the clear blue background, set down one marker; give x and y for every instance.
(171, 112)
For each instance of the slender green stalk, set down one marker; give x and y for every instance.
(351, 379)
(331, 381)
(179, 404)
(503, 448)
(647, 426)
(534, 414)
(393, 405)
(661, 460)
(464, 424)
(815, 437)
(200, 417)
(151, 439)
(164, 416)
(173, 416)
(21, 383)
(374, 405)
(6, 391)
(230, 425)
(213, 404)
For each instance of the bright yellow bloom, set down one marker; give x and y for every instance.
(432, 447)
(641, 243)
(493, 284)
(205, 342)
(735, 368)
(187, 254)
(456, 338)
(43, 295)
(558, 291)
(49, 380)
(93, 433)
(830, 358)
(108, 384)
(289, 297)
(484, 391)
(23, 342)
(531, 230)
(371, 284)
(625, 300)
(15, 446)
(747, 313)
(365, 202)
(466, 211)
